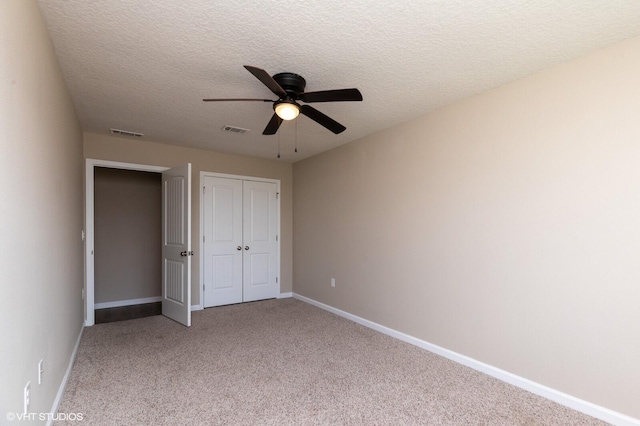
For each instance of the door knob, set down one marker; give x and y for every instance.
(183, 253)
(239, 247)
(246, 247)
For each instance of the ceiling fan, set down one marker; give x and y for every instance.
(290, 89)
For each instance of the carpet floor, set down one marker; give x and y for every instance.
(282, 362)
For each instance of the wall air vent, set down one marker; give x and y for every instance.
(125, 133)
(233, 129)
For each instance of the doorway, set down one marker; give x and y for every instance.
(128, 239)
(91, 165)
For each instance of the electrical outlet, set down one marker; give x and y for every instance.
(40, 371)
(27, 397)
(333, 282)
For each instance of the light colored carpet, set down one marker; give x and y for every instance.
(282, 362)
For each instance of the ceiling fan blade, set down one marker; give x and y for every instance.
(267, 80)
(273, 126)
(322, 119)
(237, 99)
(339, 95)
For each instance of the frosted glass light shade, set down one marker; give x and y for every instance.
(287, 111)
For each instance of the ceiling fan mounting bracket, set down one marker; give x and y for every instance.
(292, 83)
(288, 100)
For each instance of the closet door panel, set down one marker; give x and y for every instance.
(222, 272)
(259, 272)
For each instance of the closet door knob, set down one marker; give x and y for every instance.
(239, 247)
(246, 247)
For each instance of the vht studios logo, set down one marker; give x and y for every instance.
(78, 417)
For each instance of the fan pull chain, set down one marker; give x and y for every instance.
(279, 144)
(296, 150)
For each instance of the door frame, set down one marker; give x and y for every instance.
(201, 233)
(89, 282)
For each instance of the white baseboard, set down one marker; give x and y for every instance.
(130, 302)
(285, 295)
(197, 307)
(65, 378)
(562, 398)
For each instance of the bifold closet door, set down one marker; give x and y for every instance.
(259, 272)
(240, 246)
(222, 241)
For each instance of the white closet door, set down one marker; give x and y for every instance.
(260, 258)
(176, 244)
(223, 248)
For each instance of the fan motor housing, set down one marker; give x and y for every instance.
(292, 83)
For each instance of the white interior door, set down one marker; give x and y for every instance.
(260, 259)
(176, 244)
(222, 232)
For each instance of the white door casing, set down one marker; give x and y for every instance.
(222, 245)
(240, 227)
(91, 164)
(176, 244)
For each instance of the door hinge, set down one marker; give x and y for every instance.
(204, 189)
(203, 238)
(277, 195)
(276, 238)
(276, 280)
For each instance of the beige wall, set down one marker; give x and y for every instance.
(137, 151)
(41, 313)
(128, 234)
(505, 227)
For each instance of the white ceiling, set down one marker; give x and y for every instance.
(146, 65)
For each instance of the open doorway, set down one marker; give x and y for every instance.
(91, 166)
(128, 244)
(176, 238)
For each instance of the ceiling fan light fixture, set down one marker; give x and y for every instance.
(287, 110)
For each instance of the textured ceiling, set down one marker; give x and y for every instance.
(146, 65)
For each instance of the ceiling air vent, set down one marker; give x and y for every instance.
(233, 129)
(125, 133)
